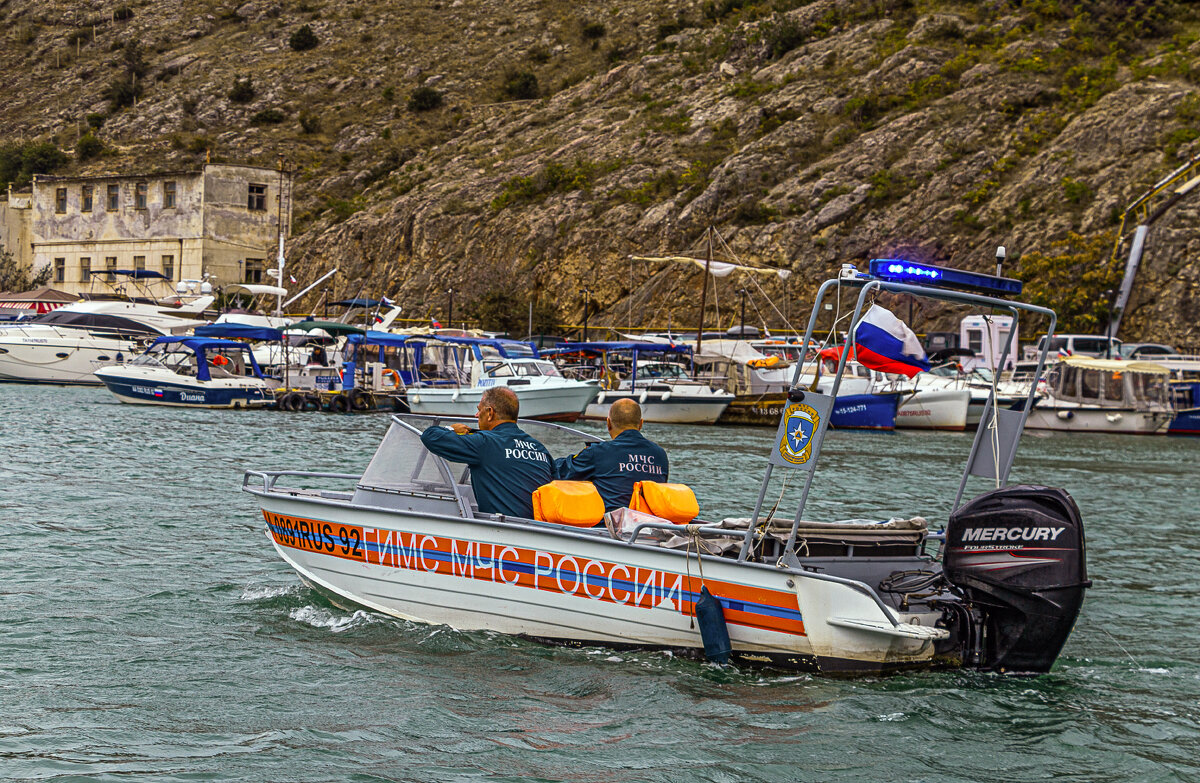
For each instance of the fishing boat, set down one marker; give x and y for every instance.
(406, 538)
(667, 390)
(198, 372)
(1085, 394)
(447, 375)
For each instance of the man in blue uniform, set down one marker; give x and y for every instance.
(616, 465)
(507, 465)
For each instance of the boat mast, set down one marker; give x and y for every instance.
(703, 295)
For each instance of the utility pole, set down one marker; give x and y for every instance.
(742, 330)
(587, 300)
(450, 317)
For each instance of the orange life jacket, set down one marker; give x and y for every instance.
(674, 502)
(574, 503)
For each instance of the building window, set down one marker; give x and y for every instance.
(257, 198)
(114, 198)
(139, 195)
(60, 270)
(139, 262)
(60, 201)
(168, 195)
(85, 269)
(168, 267)
(254, 270)
(110, 263)
(86, 198)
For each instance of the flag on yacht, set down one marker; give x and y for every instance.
(885, 343)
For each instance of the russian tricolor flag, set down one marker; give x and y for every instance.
(884, 343)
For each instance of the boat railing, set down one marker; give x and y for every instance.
(796, 569)
(269, 477)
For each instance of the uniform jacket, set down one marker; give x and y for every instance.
(507, 465)
(614, 466)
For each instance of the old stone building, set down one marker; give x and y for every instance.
(221, 221)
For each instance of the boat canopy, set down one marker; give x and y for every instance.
(201, 345)
(256, 289)
(602, 347)
(331, 327)
(239, 331)
(357, 302)
(372, 337)
(134, 274)
(1115, 365)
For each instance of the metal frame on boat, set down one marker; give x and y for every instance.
(408, 540)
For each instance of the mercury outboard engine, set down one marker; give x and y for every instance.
(1017, 556)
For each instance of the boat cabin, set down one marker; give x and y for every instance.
(1110, 383)
(203, 358)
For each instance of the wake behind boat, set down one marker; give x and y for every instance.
(406, 538)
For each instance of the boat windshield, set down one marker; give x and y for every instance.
(662, 370)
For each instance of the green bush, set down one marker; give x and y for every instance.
(303, 39)
(88, 147)
(521, 85)
(95, 120)
(1075, 191)
(268, 117)
(242, 90)
(782, 35)
(122, 91)
(19, 162)
(592, 31)
(424, 99)
(309, 122)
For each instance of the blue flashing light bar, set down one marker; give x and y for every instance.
(897, 271)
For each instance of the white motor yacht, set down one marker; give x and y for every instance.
(68, 345)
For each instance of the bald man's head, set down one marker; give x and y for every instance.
(624, 415)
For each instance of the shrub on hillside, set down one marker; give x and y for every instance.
(88, 147)
(303, 39)
(309, 122)
(242, 90)
(424, 99)
(592, 31)
(95, 120)
(521, 85)
(268, 117)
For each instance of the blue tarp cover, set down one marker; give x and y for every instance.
(597, 347)
(137, 274)
(242, 331)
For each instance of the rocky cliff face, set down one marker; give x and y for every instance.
(809, 134)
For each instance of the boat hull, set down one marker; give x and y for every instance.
(1185, 423)
(1115, 420)
(541, 403)
(850, 411)
(33, 355)
(934, 410)
(571, 587)
(200, 394)
(677, 408)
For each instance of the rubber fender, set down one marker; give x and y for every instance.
(340, 403)
(713, 631)
(312, 402)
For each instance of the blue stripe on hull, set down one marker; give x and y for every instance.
(865, 412)
(171, 394)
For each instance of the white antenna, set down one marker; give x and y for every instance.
(1000, 256)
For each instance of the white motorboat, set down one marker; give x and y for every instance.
(447, 375)
(406, 539)
(665, 390)
(194, 372)
(1083, 394)
(68, 345)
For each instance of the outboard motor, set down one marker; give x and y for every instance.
(1017, 555)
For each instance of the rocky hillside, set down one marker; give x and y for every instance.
(516, 150)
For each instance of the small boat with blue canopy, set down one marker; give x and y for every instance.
(447, 375)
(204, 372)
(999, 589)
(654, 374)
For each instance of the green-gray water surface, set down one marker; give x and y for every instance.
(149, 632)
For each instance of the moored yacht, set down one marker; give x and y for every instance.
(198, 372)
(68, 345)
(1083, 394)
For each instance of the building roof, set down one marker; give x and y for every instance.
(43, 294)
(44, 178)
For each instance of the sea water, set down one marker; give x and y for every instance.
(148, 631)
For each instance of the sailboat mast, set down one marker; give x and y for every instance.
(704, 293)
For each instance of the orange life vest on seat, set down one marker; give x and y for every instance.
(675, 502)
(574, 503)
